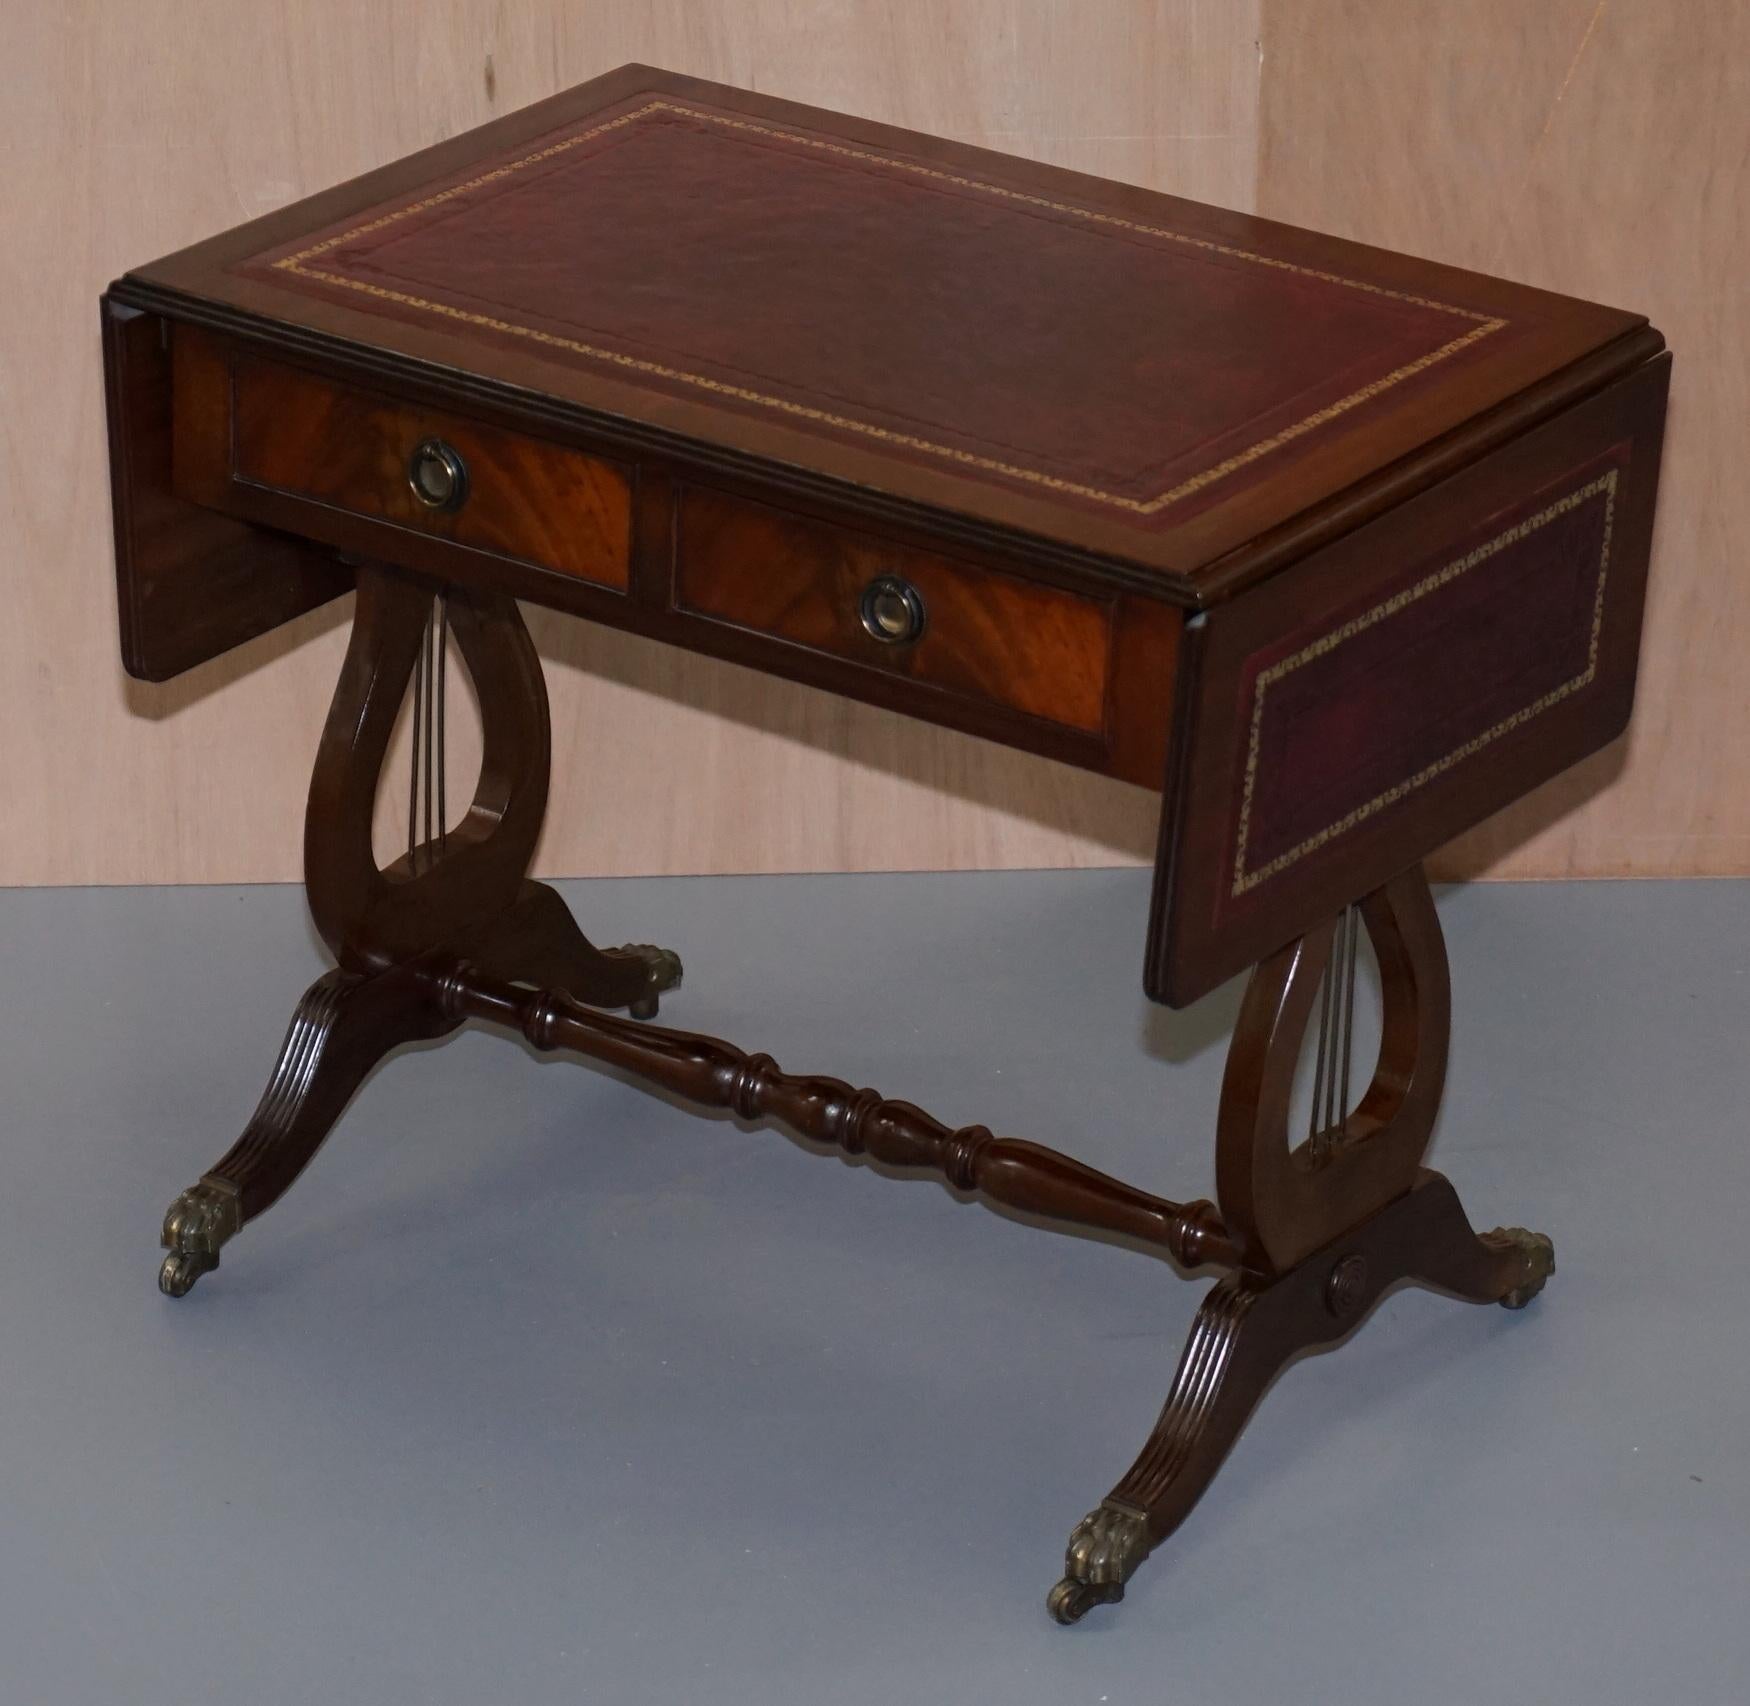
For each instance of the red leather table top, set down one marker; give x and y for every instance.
(1121, 371)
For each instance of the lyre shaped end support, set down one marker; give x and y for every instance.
(372, 918)
(1281, 1203)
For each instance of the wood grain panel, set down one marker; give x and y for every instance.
(262, 423)
(1603, 149)
(1033, 648)
(129, 131)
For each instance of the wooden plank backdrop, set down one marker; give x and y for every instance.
(1597, 148)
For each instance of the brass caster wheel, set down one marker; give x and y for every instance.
(1538, 1258)
(662, 971)
(179, 1270)
(1070, 1600)
(1103, 1553)
(199, 1221)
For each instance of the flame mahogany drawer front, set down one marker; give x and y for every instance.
(251, 428)
(1082, 677)
(935, 620)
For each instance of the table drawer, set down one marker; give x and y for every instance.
(245, 425)
(940, 621)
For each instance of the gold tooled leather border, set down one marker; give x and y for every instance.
(1482, 326)
(1245, 880)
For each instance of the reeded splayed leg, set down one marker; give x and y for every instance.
(1322, 1228)
(456, 891)
(343, 1026)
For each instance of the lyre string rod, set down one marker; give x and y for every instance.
(1352, 927)
(427, 794)
(428, 683)
(443, 647)
(413, 768)
(1316, 1130)
(1330, 1100)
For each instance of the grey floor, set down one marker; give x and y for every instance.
(539, 1389)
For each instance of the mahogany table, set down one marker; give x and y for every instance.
(1339, 550)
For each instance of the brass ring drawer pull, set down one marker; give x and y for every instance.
(438, 475)
(891, 610)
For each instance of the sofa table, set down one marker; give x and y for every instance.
(1338, 550)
